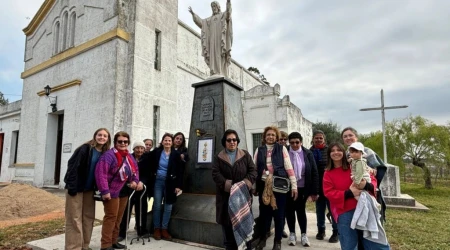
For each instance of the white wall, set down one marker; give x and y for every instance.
(9, 123)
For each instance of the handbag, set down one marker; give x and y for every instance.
(97, 196)
(281, 184)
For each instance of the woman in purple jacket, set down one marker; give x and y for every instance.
(115, 168)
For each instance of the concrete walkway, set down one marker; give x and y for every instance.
(57, 242)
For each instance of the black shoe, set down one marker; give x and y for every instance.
(261, 244)
(284, 235)
(320, 235)
(118, 246)
(108, 248)
(329, 217)
(334, 237)
(120, 239)
(276, 245)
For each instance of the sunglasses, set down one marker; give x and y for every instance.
(294, 142)
(232, 140)
(283, 139)
(122, 141)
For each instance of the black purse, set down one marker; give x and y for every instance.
(281, 184)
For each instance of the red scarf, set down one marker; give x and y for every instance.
(124, 153)
(321, 146)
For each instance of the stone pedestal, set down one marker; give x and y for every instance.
(390, 186)
(217, 107)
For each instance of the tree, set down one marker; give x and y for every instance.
(3, 101)
(332, 130)
(374, 141)
(421, 141)
(260, 76)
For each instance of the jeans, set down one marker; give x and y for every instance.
(266, 213)
(160, 192)
(297, 206)
(349, 237)
(321, 204)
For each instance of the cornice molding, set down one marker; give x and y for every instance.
(74, 51)
(40, 15)
(61, 86)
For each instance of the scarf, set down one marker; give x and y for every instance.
(240, 213)
(297, 163)
(120, 154)
(268, 197)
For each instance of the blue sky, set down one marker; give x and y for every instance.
(331, 57)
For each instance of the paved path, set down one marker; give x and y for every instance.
(57, 242)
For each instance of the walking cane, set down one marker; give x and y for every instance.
(128, 218)
(140, 220)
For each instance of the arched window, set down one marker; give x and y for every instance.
(56, 38)
(73, 18)
(65, 30)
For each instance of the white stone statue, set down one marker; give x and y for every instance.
(217, 38)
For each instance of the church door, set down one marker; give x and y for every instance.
(59, 139)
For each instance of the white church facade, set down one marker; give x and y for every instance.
(122, 65)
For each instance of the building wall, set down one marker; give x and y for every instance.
(154, 86)
(263, 107)
(117, 84)
(86, 106)
(9, 125)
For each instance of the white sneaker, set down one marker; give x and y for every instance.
(292, 239)
(305, 241)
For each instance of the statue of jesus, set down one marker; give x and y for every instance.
(217, 38)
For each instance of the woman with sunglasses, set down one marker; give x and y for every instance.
(232, 165)
(115, 168)
(274, 159)
(307, 177)
(166, 171)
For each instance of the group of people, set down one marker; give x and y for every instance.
(326, 175)
(116, 173)
(329, 175)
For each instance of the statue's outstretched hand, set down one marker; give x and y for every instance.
(190, 10)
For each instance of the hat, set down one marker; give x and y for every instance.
(358, 146)
(138, 144)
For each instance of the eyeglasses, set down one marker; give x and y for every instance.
(122, 141)
(294, 142)
(232, 140)
(283, 139)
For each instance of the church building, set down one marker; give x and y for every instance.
(121, 65)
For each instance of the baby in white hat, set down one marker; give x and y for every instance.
(359, 166)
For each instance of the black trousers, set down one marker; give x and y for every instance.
(297, 207)
(135, 201)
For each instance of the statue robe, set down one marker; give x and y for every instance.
(217, 39)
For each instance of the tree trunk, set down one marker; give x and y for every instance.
(426, 173)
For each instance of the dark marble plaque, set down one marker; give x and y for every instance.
(207, 107)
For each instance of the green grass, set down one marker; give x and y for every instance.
(408, 229)
(19, 235)
(417, 229)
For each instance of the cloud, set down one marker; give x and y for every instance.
(334, 57)
(331, 57)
